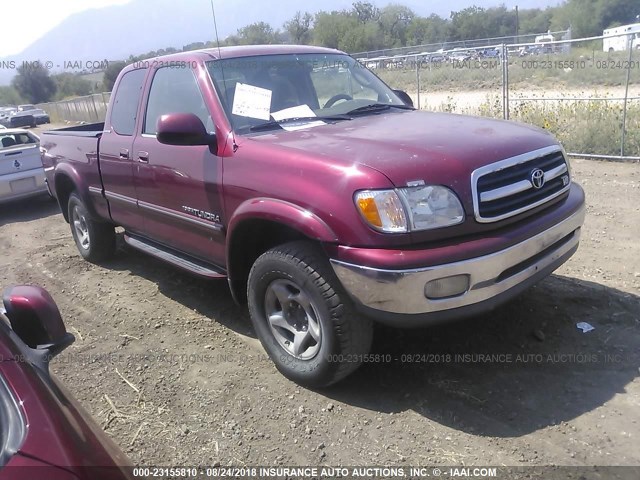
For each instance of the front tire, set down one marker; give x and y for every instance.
(96, 241)
(304, 318)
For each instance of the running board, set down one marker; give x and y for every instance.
(176, 259)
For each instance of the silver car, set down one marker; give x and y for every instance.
(21, 172)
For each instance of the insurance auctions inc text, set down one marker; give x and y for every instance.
(350, 472)
(78, 65)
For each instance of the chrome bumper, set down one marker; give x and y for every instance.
(403, 291)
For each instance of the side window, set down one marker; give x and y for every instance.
(126, 100)
(175, 90)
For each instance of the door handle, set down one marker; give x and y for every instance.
(124, 154)
(143, 157)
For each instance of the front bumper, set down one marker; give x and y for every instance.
(398, 296)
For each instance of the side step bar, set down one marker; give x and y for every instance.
(176, 259)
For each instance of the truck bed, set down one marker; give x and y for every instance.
(73, 151)
(86, 130)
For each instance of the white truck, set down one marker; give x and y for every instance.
(619, 39)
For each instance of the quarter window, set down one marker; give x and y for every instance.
(126, 101)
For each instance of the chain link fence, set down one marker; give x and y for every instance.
(454, 44)
(587, 97)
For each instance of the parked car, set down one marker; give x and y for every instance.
(29, 118)
(459, 55)
(40, 116)
(5, 114)
(21, 119)
(21, 172)
(433, 57)
(25, 107)
(490, 53)
(324, 203)
(45, 432)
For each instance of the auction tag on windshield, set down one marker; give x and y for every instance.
(292, 112)
(250, 101)
(301, 111)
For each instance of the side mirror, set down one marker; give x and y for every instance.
(183, 129)
(35, 318)
(404, 96)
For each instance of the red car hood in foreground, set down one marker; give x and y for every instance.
(61, 440)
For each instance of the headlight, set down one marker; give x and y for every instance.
(432, 206)
(410, 209)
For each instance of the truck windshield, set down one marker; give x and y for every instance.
(296, 91)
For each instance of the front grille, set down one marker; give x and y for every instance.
(506, 188)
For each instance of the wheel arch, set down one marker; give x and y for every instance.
(67, 181)
(261, 224)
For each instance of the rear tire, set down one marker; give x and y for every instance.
(303, 316)
(96, 241)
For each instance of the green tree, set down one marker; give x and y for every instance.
(34, 83)
(433, 29)
(394, 21)
(193, 46)
(258, 33)
(361, 38)
(590, 17)
(71, 85)
(468, 23)
(299, 28)
(366, 12)
(345, 30)
(10, 96)
(111, 74)
(330, 28)
(534, 20)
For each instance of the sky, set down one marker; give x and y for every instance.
(36, 17)
(40, 16)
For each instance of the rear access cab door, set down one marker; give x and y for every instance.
(116, 143)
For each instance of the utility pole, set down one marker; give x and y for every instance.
(517, 25)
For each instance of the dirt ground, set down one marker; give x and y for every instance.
(170, 367)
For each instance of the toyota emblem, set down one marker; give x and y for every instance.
(537, 178)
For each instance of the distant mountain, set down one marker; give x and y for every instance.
(137, 27)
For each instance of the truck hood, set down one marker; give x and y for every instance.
(406, 146)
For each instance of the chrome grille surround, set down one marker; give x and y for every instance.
(505, 189)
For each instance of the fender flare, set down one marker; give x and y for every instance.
(286, 213)
(80, 187)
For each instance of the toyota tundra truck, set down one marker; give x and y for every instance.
(322, 196)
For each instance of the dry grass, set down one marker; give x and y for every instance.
(582, 126)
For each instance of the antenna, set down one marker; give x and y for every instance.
(224, 81)
(215, 26)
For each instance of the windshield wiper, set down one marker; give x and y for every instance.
(377, 107)
(278, 123)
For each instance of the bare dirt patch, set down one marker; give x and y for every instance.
(169, 365)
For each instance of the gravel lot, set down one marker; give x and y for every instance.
(532, 390)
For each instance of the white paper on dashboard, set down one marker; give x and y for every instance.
(251, 101)
(294, 112)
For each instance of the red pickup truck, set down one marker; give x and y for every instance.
(321, 194)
